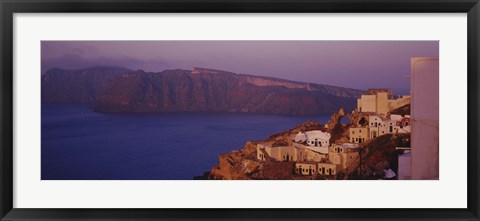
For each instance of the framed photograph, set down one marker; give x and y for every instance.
(258, 110)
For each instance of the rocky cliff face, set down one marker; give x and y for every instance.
(218, 91)
(197, 90)
(77, 86)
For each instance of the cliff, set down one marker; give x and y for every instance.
(77, 86)
(197, 90)
(206, 90)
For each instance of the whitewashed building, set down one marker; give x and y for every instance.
(317, 138)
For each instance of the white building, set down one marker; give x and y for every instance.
(378, 125)
(388, 127)
(314, 138)
(300, 137)
(402, 123)
(375, 126)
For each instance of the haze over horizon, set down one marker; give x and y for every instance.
(352, 64)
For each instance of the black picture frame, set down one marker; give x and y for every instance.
(9, 7)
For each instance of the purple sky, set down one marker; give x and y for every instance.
(353, 64)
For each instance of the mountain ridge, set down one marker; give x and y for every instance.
(196, 90)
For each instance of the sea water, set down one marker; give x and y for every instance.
(80, 144)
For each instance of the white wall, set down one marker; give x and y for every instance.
(425, 118)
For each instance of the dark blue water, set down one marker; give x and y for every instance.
(79, 144)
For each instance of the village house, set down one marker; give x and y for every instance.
(307, 153)
(279, 153)
(314, 138)
(380, 101)
(375, 123)
(344, 155)
(396, 124)
(295, 152)
(306, 168)
(379, 125)
(312, 145)
(317, 156)
(327, 168)
(314, 168)
(374, 101)
(388, 127)
(358, 134)
(402, 123)
(340, 157)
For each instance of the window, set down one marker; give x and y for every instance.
(360, 131)
(353, 132)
